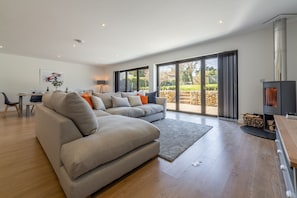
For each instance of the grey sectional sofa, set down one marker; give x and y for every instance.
(88, 152)
(128, 104)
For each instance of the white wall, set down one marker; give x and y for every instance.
(292, 50)
(21, 74)
(255, 57)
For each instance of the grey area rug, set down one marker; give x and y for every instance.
(176, 136)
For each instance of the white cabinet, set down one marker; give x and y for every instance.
(286, 143)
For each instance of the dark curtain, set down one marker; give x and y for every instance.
(228, 85)
(116, 81)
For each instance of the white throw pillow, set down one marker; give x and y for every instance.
(134, 101)
(119, 102)
(98, 103)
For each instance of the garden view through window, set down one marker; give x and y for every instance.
(133, 80)
(190, 86)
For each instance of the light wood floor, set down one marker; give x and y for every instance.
(233, 164)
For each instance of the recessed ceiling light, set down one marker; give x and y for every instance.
(1, 46)
(58, 56)
(79, 41)
(103, 25)
(221, 21)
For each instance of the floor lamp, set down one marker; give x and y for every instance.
(101, 83)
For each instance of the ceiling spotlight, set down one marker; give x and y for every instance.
(103, 26)
(74, 45)
(1, 46)
(221, 21)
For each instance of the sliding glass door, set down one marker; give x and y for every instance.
(167, 84)
(190, 86)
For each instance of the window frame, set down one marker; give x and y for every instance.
(118, 81)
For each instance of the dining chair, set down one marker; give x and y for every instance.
(8, 103)
(35, 99)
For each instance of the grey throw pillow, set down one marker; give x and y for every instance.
(119, 102)
(134, 101)
(74, 107)
(98, 103)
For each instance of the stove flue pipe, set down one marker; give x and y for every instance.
(280, 49)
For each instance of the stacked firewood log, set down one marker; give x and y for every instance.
(254, 120)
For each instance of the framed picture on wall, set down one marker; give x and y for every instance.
(53, 78)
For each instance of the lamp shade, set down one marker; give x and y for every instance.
(101, 82)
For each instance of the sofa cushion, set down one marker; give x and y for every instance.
(49, 99)
(117, 136)
(57, 98)
(99, 113)
(106, 98)
(126, 94)
(98, 103)
(151, 108)
(134, 101)
(46, 99)
(127, 111)
(74, 107)
(151, 97)
(119, 102)
(144, 99)
(87, 97)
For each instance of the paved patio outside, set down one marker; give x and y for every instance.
(193, 108)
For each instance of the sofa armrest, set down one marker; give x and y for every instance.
(163, 102)
(53, 130)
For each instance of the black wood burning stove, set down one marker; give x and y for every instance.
(279, 97)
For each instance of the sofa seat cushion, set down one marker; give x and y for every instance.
(117, 136)
(99, 113)
(127, 111)
(151, 108)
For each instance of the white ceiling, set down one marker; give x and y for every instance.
(134, 28)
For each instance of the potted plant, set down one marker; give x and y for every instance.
(57, 83)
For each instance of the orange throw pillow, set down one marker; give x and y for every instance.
(144, 99)
(87, 97)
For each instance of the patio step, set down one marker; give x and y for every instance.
(185, 98)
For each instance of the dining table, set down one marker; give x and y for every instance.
(26, 94)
